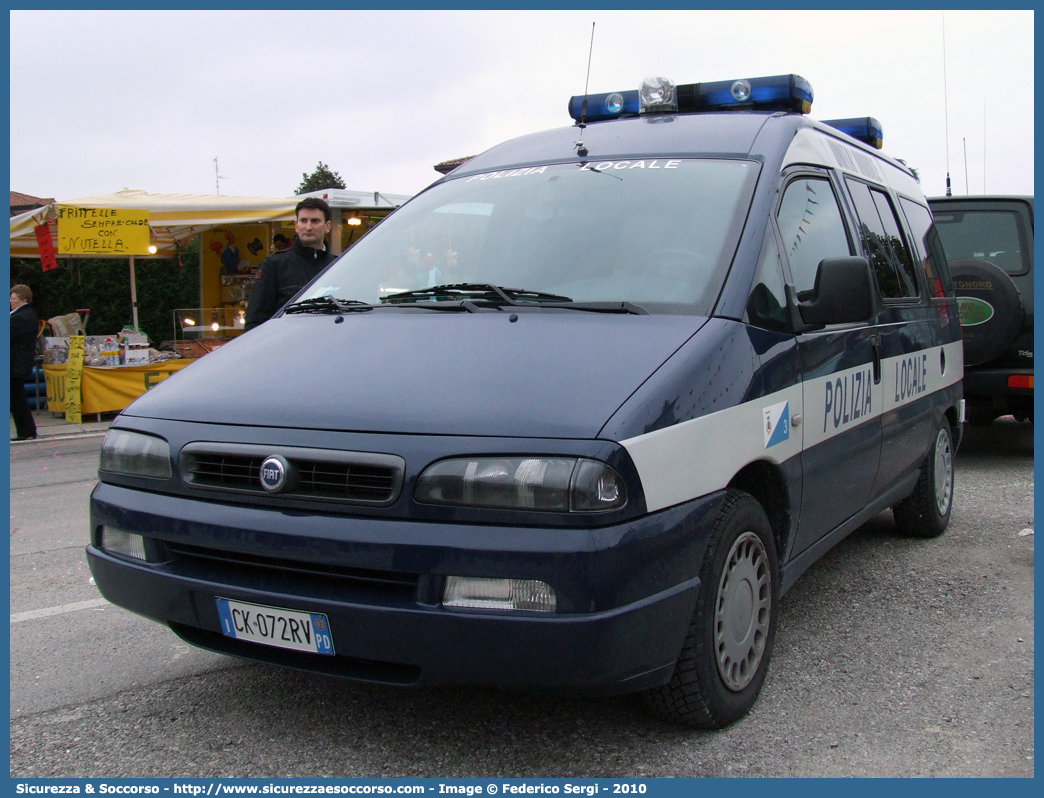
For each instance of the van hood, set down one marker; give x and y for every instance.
(549, 374)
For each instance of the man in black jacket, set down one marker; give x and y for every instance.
(282, 274)
(23, 356)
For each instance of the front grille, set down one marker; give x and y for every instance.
(294, 577)
(350, 667)
(316, 474)
(362, 483)
(216, 470)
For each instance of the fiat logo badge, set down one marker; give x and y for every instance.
(274, 473)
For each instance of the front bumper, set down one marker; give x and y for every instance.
(625, 592)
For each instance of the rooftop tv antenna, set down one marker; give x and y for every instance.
(217, 177)
(946, 111)
(581, 150)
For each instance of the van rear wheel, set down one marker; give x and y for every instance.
(726, 652)
(926, 512)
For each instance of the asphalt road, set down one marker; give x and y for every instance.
(893, 657)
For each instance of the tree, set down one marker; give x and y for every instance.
(321, 178)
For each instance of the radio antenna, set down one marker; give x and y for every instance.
(965, 140)
(946, 111)
(581, 150)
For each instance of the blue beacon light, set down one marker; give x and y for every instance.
(778, 93)
(862, 128)
(611, 105)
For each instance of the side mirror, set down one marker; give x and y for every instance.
(844, 293)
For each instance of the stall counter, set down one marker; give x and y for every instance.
(106, 389)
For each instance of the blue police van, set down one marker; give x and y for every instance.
(573, 418)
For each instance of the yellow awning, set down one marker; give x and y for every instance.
(179, 217)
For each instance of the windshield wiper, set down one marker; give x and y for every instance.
(326, 304)
(600, 172)
(497, 295)
(606, 307)
(461, 306)
(486, 292)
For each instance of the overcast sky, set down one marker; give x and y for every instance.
(102, 101)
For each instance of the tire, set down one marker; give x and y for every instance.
(926, 512)
(1021, 408)
(726, 652)
(991, 309)
(980, 413)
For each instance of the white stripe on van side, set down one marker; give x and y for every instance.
(697, 457)
(910, 377)
(839, 402)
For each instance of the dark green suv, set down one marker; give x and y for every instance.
(989, 244)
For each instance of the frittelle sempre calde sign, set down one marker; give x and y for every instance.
(102, 231)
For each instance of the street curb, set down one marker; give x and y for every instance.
(64, 437)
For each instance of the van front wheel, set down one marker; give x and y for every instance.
(726, 652)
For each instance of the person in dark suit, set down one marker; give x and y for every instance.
(282, 274)
(23, 355)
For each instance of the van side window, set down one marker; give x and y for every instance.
(900, 252)
(928, 247)
(889, 256)
(766, 305)
(812, 229)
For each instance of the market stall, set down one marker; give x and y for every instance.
(111, 370)
(108, 389)
(236, 234)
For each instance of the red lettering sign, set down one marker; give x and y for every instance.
(46, 245)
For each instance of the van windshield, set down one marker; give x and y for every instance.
(658, 233)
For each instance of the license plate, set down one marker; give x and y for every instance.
(272, 626)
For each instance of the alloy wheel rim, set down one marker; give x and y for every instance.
(943, 473)
(742, 612)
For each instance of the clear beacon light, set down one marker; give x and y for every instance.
(657, 96)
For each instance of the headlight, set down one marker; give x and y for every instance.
(134, 454)
(552, 484)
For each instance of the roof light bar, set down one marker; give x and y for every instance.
(863, 128)
(777, 93)
(605, 106)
